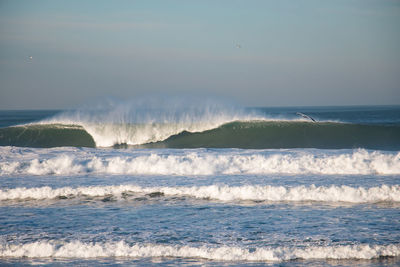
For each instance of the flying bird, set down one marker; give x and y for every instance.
(305, 116)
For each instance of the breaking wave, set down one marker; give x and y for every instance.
(150, 120)
(200, 162)
(78, 249)
(255, 134)
(179, 123)
(332, 193)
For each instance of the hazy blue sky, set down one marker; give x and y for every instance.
(339, 52)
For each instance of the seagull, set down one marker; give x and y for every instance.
(305, 116)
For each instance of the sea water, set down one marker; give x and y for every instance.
(169, 202)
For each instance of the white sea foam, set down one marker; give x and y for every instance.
(196, 162)
(383, 193)
(78, 249)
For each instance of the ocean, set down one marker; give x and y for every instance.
(211, 184)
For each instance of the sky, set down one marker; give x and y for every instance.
(63, 54)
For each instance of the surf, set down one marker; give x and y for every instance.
(147, 120)
(247, 134)
(79, 249)
(188, 123)
(267, 193)
(73, 161)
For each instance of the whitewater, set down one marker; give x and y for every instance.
(224, 193)
(172, 182)
(196, 162)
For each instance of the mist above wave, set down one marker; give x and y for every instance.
(149, 119)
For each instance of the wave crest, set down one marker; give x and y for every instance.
(150, 119)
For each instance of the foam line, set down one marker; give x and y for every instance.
(201, 163)
(383, 193)
(78, 249)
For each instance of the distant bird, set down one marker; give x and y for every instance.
(30, 57)
(305, 116)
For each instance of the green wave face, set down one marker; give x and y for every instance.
(50, 135)
(289, 134)
(252, 135)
